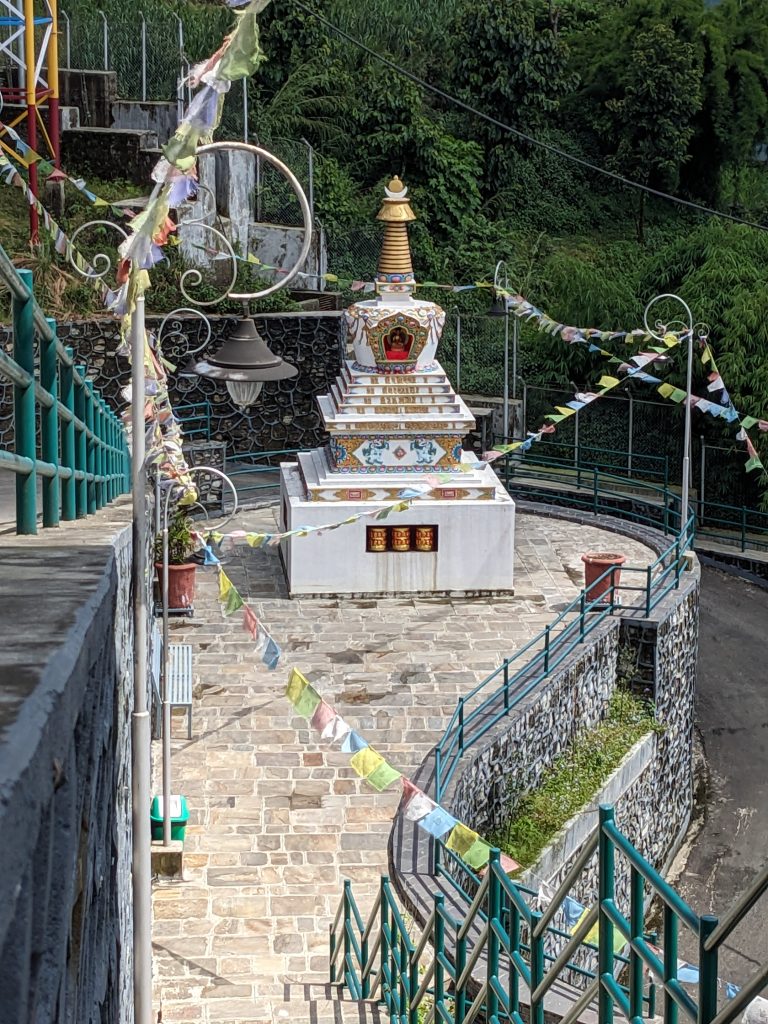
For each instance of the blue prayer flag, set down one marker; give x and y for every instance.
(271, 654)
(437, 822)
(688, 973)
(353, 742)
(573, 911)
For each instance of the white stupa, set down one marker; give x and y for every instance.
(395, 426)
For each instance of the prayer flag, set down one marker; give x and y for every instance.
(383, 776)
(353, 742)
(437, 822)
(336, 730)
(233, 601)
(731, 990)
(687, 973)
(478, 855)
(307, 702)
(461, 839)
(418, 807)
(324, 714)
(271, 654)
(607, 382)
(572, 910)
(250, 623)
(366, 761)
(296, 686)
(225, 585)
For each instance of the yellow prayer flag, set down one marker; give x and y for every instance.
(255, 540)
(100, 202)
(670, 340)
(461, 839)
(366, 761)
(296, 685)
(225, 585)
(666, 390)
(565, 411)
(606, 382)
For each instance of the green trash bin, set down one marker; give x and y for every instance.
(179, 817)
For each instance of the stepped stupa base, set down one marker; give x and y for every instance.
(472, 543)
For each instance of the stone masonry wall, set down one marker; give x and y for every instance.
(286, 415)
(654, 811)
(520, 748)
(65, 779)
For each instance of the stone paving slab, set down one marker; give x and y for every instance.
(278, 821)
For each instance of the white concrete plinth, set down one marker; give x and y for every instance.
(475, 546)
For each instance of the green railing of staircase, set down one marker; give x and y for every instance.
(509, 684)
(494, 964)
(83, 457)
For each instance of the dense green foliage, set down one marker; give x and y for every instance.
(573, 778)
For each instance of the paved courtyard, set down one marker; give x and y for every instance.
(278, 820)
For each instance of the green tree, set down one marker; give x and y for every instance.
(643, 108)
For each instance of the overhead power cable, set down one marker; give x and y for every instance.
(564, 154)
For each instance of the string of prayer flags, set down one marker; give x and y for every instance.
(232, 601)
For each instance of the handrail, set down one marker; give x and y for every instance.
(82, 454)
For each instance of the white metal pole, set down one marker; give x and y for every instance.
(687, 438)
(164, 693)
(515, 327)
(143, 59)
(458, 352)
(141, 864)
(631, 432)
(106, 40)
(506, 373)
(245, 110)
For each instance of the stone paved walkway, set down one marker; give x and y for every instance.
(279, 821)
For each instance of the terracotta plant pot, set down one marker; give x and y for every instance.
(181, 584)
(596, 563)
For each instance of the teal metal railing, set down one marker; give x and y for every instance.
(194, 418)
(82, 455)
(255, 473)
(493, 963)
(509, 684)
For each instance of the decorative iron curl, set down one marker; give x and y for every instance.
(207, 211)
(306, 216)
(178, 331)
(193, 276)
(100, 259)
(661, 328)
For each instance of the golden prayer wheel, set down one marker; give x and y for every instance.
(425, 538)
(401, 538)
(377, 538)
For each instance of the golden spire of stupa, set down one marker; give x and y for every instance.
(395, 269)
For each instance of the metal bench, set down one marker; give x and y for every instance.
(180, 680)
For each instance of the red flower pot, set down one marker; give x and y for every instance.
(597, 563)
(181, 584)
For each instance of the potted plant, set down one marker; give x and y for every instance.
(181, 566)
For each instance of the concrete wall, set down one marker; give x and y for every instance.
(65, 668)
(156, 116)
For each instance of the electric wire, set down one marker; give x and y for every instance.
(550, 147)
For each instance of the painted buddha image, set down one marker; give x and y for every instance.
(397, 344)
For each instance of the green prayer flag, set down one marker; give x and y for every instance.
(383, 776)
(233, 602)
(554, 417)
(754, 463)
(478, 855)
(243, 55)
(461, 839)
(307, 702)
(748, 422)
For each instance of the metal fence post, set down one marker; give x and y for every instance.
(81, 455)
(537, 969)
(605, 925)
(630, 432)
(707, 971)
(595, 488)
(494, 921)
(90, 446)
(439, 946)
(102, 452)
(458, 352)
(49, 427)
(143, 58)
(743, 528)
(68, 485)
(24, 407)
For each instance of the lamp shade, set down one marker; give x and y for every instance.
(499, 307)
(244, 359)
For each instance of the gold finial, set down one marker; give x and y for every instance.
(395, 268)
(396, 206)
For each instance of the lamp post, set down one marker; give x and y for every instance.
(500, 308)
(254, 368)
(657, 332)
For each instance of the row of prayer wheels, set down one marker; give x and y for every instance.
(402, 538)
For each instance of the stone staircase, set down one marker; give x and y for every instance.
(326, 1004)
